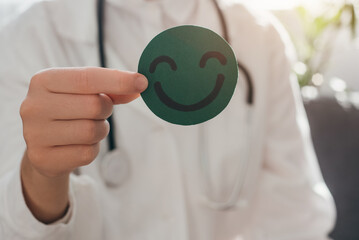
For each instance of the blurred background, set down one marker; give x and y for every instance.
(325, 34)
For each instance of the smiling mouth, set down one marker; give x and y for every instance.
(192, 107)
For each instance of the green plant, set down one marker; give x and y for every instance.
(320, 31)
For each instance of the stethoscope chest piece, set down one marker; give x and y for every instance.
(115, 168)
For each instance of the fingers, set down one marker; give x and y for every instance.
(75, 155)
(75, 132)
(71, 106)
(65, 111)
(59, 160)
(91, 80)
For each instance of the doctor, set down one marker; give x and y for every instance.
(156, 186)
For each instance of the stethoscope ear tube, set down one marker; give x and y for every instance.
(248, 78)
(242, 68)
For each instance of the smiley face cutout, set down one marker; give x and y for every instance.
(192, 74)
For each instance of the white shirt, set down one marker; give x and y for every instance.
(162, 195)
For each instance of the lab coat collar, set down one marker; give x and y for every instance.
(84, 29)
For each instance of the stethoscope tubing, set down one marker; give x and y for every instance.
(242, 68)
(103, 63)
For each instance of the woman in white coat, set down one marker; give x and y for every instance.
(161, 191)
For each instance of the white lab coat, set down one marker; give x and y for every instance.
(162, 194)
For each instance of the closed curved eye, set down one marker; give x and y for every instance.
(213, 54)
(160, 59)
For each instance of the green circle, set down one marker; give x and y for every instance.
(192, 74)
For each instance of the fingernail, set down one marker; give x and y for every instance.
(141, 83)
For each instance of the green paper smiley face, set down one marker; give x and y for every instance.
(192, 74)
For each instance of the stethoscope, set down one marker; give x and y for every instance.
(116, 159)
